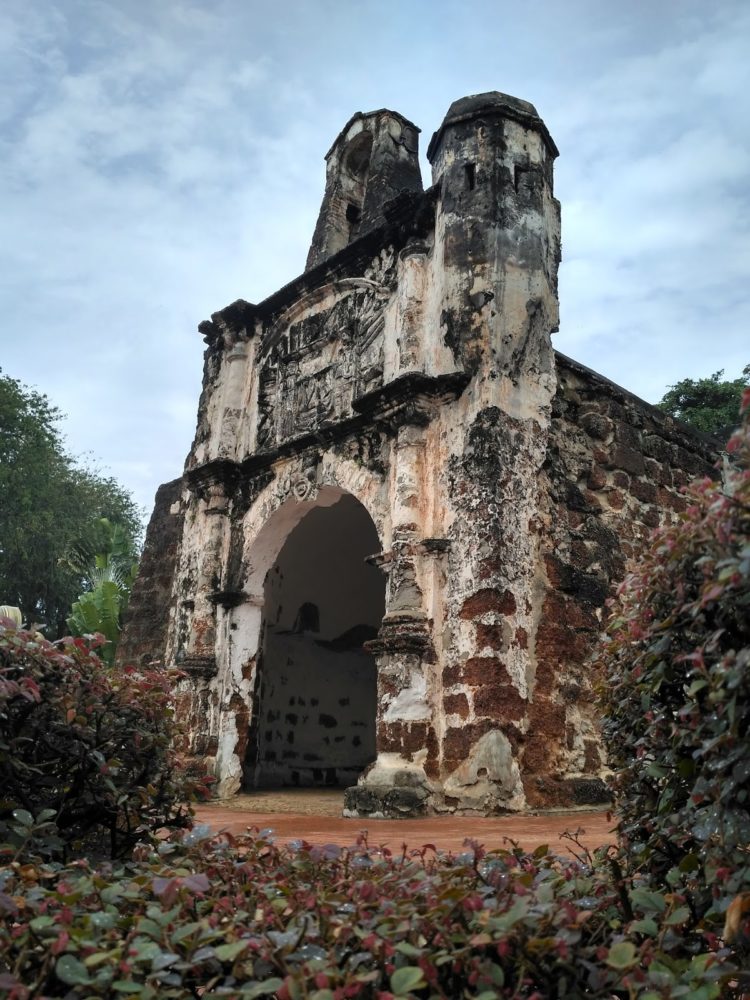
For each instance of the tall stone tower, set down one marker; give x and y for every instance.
(498, 224)
(374, 158)
(384, 564)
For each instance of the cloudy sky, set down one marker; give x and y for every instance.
(161, 158)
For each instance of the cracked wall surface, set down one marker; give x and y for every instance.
(410, 369)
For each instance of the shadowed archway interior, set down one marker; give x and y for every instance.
(317, 692)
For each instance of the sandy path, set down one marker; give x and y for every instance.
(315, 816)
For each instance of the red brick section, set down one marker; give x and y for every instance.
(613, 472)
(447, 833)
(147, 617)
(488, 599)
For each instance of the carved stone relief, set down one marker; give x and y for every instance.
(323, 361)
(300, 485)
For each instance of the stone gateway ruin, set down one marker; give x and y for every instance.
(384, 565)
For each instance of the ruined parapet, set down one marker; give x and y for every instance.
(373, 160)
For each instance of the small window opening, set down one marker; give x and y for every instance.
(353, 213)
(308, 619)
(470, 172)
(526, 175)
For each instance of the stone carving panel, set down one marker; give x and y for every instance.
(323, 360)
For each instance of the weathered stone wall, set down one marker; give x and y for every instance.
(543, 519)
(146, 623)
(502, 491)
(613, 473)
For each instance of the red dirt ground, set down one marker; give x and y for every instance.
(315, 816)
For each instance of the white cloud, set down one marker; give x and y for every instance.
(164, 159)
(655, 211)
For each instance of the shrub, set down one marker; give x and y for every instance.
(224, 918)
(207, 916)
(678, 710)
(86, 748)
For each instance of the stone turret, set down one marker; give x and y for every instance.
(374, 159)
(499, 225)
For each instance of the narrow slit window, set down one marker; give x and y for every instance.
(353, 213)
(470, 172)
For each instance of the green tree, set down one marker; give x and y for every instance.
(108, 562)
(708, 404)
(47, 505)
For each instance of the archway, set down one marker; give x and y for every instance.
(316, 696)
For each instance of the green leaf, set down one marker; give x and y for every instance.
(72, 972)
(690, 863)
(649, 902)
(164, 960)
(261, 989)
(497, 975)
(23, 817)
(408, 949)
(708, 992)
(150, 927)
(646, 926)
(182, 932)
(228, 952)
(40, 923)
(126, 986)
(406, 979)
(622, 955)
(91, 961)
(680, 916)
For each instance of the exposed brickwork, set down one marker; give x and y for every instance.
(612, 471)
(459, 741)
(499, 702)
(408, 738)
(477, 671)
(456, 704)
(145, 630)
(488, 600)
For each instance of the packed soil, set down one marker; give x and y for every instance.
(315, 816)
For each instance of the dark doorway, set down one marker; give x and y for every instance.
(317, 685)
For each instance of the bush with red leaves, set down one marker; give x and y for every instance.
(86, 758)
(677, 710)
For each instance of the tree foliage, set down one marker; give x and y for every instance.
(47, 505)
(708, 404)
(108, 563)
(678, 707)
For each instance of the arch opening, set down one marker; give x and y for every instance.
(356, 166)
(316, 688)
